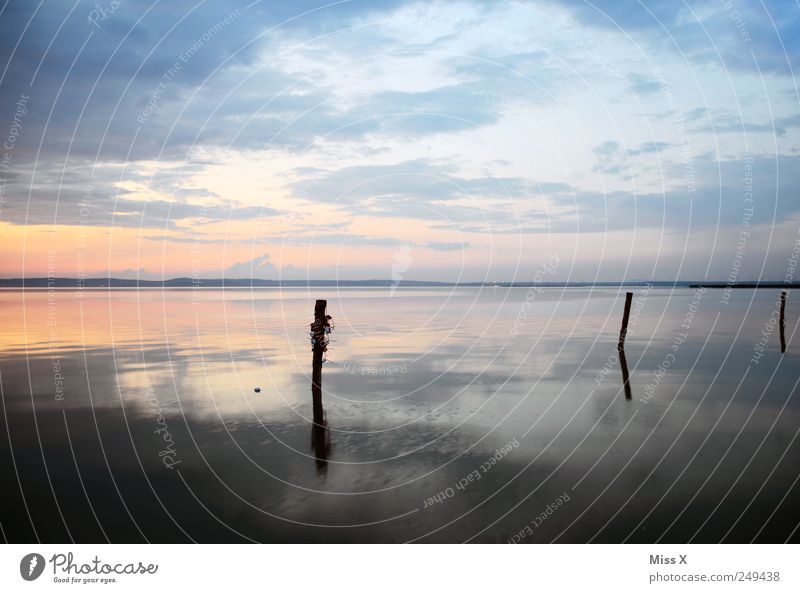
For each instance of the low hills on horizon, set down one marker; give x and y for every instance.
(74, 283)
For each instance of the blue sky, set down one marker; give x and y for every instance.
(471, 139)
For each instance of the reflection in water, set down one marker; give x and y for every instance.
(321, 445)
(623, 362)
(783, 321)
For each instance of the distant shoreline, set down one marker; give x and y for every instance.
(240, 283)
(747, 285)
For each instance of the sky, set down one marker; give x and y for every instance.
(560, 140)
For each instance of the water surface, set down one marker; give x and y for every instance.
(452, 414)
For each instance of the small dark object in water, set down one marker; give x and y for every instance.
(257, 389)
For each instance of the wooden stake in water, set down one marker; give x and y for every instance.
(625, 317)
(318, 341)
(783, 321)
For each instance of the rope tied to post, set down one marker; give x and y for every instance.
(320, 332)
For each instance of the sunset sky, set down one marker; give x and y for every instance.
(449, 140)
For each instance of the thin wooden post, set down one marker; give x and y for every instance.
(318, 347)
(625, 317)
(783, 321)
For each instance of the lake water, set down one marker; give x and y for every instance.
(451, 415)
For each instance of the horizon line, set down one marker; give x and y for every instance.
(189, 282)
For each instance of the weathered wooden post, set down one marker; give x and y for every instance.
(320, 435)
(625, 317)
(783, 321)
(318, 344)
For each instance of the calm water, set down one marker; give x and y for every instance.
(451, 415)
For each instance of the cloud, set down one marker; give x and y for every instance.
(726, 123)
(643, 85)
(260, 267)
(718, 200)
(607, 148)
(94, 196)
(138, 273)
(610, 158)
(710, 34)
(363, 105)
(442, 246)
(613, 159)
(418, 180)
(648, 148)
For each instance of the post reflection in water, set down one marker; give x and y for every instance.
(321, 445)
(320, 434)
(623, 362)
(782, 324)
